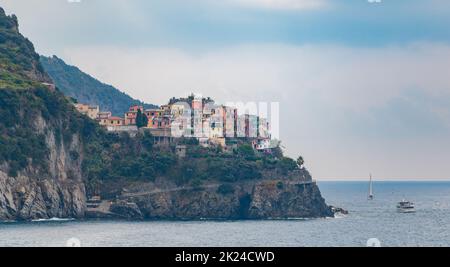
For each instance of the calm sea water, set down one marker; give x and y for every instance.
(429, 226)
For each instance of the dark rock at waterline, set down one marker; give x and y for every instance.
(254, 200)
(337, 210)
(127, 210)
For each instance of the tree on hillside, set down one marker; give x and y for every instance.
(141, 119)
(300, 162)
(286, 165)
(246, 151)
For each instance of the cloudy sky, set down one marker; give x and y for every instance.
(363, 87)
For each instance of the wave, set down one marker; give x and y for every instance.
(8, 221)
(339, 215)
(54, 220)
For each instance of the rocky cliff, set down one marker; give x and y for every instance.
(52, 187)
(260, 200)
(283, 198)
(39, 175)
(26, 198)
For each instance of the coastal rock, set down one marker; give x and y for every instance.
(287, 200)
(35, 195)
(127, 210)
(189, 204)
(337, 210)
(277, 199)
(23, 198)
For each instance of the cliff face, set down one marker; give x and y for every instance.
(23, 198)
(57, 192)
(293, 200)
(264, 199)
(38, 177)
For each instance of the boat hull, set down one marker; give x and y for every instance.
(401, 210)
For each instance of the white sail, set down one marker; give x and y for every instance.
(370, 197)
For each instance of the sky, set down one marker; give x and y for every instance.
(363, 85)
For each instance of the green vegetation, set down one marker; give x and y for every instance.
(20, 143)
(19, 64)
(246, 151)
(108, 158)
(285, 165)
(141, 119)
(300, 161)
(86, 89)
(280, 185)
(225, 189)
(30, 118)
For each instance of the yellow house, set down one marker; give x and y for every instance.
(112, 121)
(88, 110)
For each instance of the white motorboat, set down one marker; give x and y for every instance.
(406, 207)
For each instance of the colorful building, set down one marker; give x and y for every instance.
(131, 115)
(192, 117)
(153, 113)
(230, 122)
(130, 118)
(136, 108)
(104, 115)
(89, 110)
(112, 121)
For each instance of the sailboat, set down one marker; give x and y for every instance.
(370, 196)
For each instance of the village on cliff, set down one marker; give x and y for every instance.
(192, 117)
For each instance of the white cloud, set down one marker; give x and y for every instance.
(281, 4)
(328, 95)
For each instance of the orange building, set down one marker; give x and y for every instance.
(112, 121)
(131, 115)
(153, 113)
(136, 108)
(130, 118)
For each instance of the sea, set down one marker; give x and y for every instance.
(367, 220)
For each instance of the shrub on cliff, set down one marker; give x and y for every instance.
(246, 151)
(225, 189)
(20, 143)
(285, 165)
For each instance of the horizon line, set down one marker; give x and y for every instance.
(383, 180)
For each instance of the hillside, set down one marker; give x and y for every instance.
(86, 89)
(19, 63)
(53, 159)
